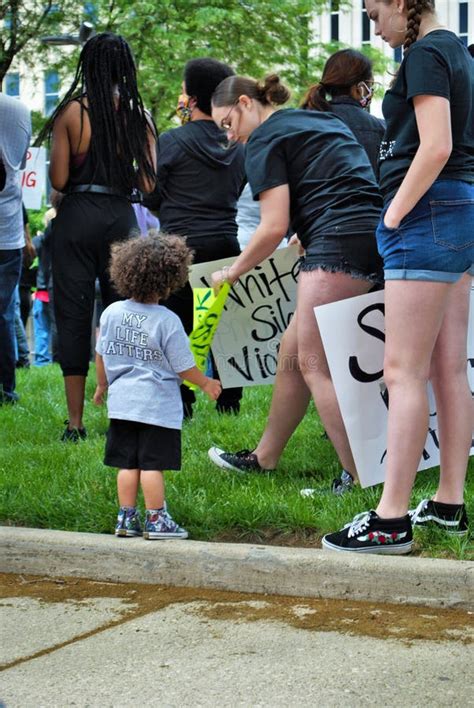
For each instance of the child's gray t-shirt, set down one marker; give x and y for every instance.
(143, 348)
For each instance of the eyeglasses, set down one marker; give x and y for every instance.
(225, 122)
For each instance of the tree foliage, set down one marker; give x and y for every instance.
(22, 22)
(253, 36)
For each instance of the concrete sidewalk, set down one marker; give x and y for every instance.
(239, 567)
(72, 642)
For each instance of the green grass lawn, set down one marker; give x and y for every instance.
(48, 484)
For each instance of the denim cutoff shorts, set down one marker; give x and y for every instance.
(435, 240)
(348, 248)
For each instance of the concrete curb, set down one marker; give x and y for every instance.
(240, 567)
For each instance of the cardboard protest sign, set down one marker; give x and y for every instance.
(207, 312)
(353, 334)
(257, 312)
(33, 178)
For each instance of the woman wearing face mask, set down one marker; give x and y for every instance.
(346, 87)
(426, 239)
(306, 164)
(199, 180)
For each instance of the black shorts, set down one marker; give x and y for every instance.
(345, 250)
(131, 445)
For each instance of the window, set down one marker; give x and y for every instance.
(51, 91)
(365, 25)
(12, 85)
(334, 20)
(463, 21)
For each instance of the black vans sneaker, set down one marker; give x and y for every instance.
(368, 533)
(242, 461)
(450, 517)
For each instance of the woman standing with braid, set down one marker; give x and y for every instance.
(426, 239)
(103, 151)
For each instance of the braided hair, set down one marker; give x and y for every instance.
(414, 11)
(119, 134)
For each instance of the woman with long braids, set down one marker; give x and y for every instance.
(103, 152)
(425, 237)
(307, 166)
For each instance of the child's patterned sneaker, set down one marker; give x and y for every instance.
(368, 533)
(450, 517)
(128, 522)
(160, 525)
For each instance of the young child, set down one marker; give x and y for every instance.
(142, 355)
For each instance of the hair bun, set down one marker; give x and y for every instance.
(271, 90)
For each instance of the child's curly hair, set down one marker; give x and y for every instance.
(150, 268)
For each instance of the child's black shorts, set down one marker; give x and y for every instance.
(131, 445)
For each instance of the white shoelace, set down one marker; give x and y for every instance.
(416, 513)
(359, 523)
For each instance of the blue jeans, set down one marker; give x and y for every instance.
(42, 330)
(22, 349)
(10, 270)
(435, 240)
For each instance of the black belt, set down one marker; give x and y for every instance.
(102, 189)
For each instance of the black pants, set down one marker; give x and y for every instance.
(82, 234)
(207, 248)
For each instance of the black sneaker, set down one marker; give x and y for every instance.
(73, 434)
(242, 461)
(345, 483)
(339, 486)
(450, 517)
(368, 533)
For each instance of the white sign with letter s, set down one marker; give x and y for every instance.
(353, 334)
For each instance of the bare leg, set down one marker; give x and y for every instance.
(75, 391)
(453, 396)
(153, 486)
(127, 486)
(414, 313)
(318, 288)
(290, 400)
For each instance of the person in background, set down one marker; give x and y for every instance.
(199, 180)
(28, 272)
(346, 89)
(103, 152)
(425, 237)
(142, 355)
(145, 219)
(15, 135)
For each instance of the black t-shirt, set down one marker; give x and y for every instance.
(331, 182)
(436, 65)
